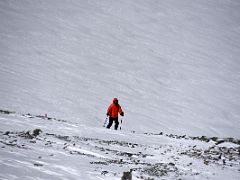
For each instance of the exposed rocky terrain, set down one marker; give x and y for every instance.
(163, 156)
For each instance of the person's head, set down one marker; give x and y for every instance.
(115, 101)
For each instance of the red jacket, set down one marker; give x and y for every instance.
(114, 109)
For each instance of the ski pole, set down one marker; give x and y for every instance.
(105, 122)
(121, 125)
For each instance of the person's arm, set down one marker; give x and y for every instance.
(109, 110)
(120, 111)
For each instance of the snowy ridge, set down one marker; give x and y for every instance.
(62, 150)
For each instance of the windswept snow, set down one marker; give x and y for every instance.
(77, 153)
(85, 152)
(174, 65)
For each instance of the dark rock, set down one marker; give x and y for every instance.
(38, 164)
(36, 132)
(171, 164)
(26, 135)
(5, 112)
(220, 142)
(204, 138)
(237, 142)
(220, 156)
(230, 139)
(6, 133)
(104, 172)
(100, 163)
(214, 138)
(206, 162)
(189, 164)
(127, 175)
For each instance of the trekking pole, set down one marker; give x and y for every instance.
(121, 125)
(105, 122)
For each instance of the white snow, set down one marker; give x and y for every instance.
(174, 65)
(96, 153)
(86, 152)
(228, 145)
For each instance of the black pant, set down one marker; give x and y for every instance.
(111, 119)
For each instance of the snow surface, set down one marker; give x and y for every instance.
(72, 151)
(174, 65)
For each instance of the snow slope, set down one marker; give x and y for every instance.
(71, 151)
(174, 65)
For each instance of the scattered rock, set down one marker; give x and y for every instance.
(36, 132)
(127, 175)
(7, 133)
(26, 135)
(189, 164)
(220, 142)
(159, 169)
(38, 164)
(171, 164)
(214, 138)
(99, 163)
(206, 162)
(5, 112)
(104, 172)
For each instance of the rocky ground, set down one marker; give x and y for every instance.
(43, 144)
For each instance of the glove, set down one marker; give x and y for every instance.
(122, 113)
(107, 114)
